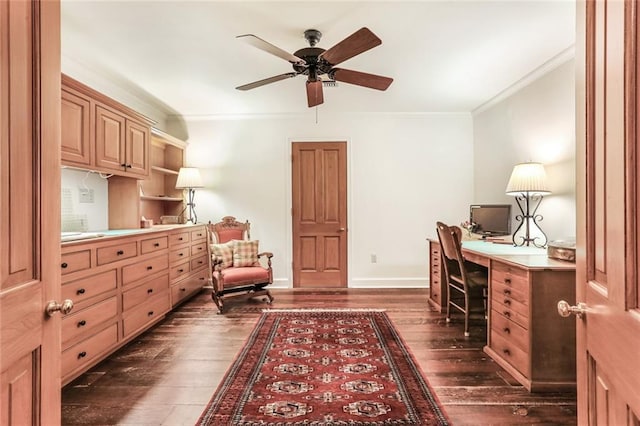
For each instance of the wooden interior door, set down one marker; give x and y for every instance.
(608, 332)
(319, 193)
(29, 218)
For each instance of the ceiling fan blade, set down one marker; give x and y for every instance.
(358, 42)
(273, 79)
(361, 78)
(270, 48)
(314, 93)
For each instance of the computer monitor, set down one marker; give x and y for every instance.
(491, 219)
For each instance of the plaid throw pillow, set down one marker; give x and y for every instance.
(223, 252)
(245, 253)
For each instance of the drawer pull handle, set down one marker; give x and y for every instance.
(507, 280)
(181, 270)
(183, 289)
(80, 291)
(180, 239)
(180, 254)
(150, 313)
(507, 314)
(506, 330)
(149, 291)
(120, 252)
(507, 302)
(149, 268)
(202, 278)
(82, 355)
(82, 323)
(200, 262)
(64, 265)
(156, 244)
(199, 248)
(507, 292)
(506, 352)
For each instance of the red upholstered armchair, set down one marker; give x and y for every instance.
(235, 262)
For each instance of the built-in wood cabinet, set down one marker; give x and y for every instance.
(99, 133)
(121, 286)
(158, 194)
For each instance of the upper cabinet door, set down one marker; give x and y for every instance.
(110, 140)
(76, 130)
(137, 149)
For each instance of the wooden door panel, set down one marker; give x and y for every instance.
(30, 218)
(319, 214)
(110, 139)
(137, 150)
(608, 335)
(76, 129)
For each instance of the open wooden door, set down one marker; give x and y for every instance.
(29, 217)
(319, 194)
(608, 176)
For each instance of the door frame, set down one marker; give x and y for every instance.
(289, 189)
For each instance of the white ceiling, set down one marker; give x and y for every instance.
(444, 56)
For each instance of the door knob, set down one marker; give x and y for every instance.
(565, 310)
(65, 307)
(341, 230)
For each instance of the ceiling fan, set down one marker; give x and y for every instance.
(315, 62)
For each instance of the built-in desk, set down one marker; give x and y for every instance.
(525, 334)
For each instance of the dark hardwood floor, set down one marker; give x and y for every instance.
(167, 375)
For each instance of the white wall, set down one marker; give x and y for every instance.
(537, 123)
(83, 216)
(405, 173)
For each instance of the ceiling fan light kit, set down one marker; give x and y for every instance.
(314, 62)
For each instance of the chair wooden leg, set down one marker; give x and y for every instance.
(448, 317)
(466, 314)
(218, 301)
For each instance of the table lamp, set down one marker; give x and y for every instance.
(189, 178)
(528, 184)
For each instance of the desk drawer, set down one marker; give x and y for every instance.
(117, 252)
(154, 244)
(511, 276)
(188, 286)
(75, 261)
(514, 311)
(510, 352)
(180, 270)
(143, 268)
(510, 331)
(179, 238)
(86, 351)
(146, 313)
(86, 288)
(75, 324)
(503, 291)
(179, 254)
(140, 294)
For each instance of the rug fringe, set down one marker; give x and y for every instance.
(267, 310)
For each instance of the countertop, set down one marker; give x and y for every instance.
(75, 237)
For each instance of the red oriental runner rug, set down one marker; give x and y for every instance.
(322, 367)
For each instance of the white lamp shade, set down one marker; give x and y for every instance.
(189, 177)
(528, 178)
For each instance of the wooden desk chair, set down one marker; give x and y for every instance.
(235, 262)
(467, 282)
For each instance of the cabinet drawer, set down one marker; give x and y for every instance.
(511, 353)
(144, 267)
(179, 238)
(117, 252)
(187, 287)
(75, 324)
(140, 294)
(75, 261)
(146, 313)
(512, 311)
(198, 262)
(154, 244)
(87, 350)
(198, 249)
(178, 255)
(510, 331)
(179, 270)
(198, 235)
(86, 288)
